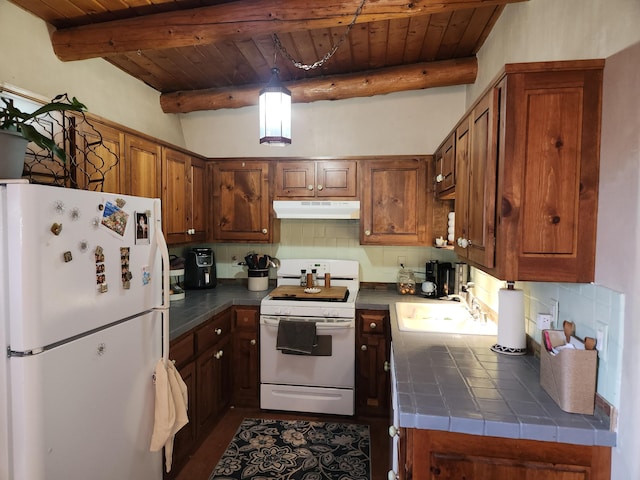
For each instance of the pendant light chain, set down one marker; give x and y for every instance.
(328, 55)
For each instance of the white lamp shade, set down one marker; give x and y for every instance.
(275, 113)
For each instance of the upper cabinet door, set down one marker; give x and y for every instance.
(198, 200)
(482, 158)
(101, 157)
(445, 158)
(336, 178)
(295, 179)
(175, 210)
(143, 167)
(394, 207)
(241, 202)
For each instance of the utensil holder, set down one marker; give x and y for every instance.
(258, 279)
(569, 377)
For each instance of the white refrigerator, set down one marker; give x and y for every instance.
(82, 317)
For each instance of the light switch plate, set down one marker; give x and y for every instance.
(602, 338)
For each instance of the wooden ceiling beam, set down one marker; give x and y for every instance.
(338, 87)
(239, 19)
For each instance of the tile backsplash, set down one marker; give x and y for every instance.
(329, 239)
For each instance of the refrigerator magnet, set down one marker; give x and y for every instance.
(146, 275)
(115, 219)
(142, 228)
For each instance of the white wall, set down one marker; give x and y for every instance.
(27, 61)
(394, 124)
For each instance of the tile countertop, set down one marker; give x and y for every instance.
(444, 382)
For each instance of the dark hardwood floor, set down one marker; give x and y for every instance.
(203, 461)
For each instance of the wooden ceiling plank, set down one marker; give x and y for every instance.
(206, 25)
(453, 33)
(433, 39)
(255, 59)
(241, 73)
(418, 28)
(378, 41)
(474, 31)
(359, 43)
(397, 43)
(381, 81)
(215, 60)
(488, 27)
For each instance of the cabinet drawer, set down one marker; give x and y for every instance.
(181, 350)
(246, 318)
(373, 322)
(213, 331)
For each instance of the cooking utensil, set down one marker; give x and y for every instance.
(569, 329)
(589, 343)
(262, 262)
(274, 262)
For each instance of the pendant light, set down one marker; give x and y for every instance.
(275, 112)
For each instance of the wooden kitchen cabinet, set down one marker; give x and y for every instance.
(246, 356)
(445, 169)
(142, 166)
(213, 371)
(324, 179)
(440, 455)
(242, 210)
(184, 198)
(527, 171)
(394, 207)
(373, 351)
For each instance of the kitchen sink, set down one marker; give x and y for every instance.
(441, 317)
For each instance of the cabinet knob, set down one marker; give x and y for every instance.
(373, 326)
(218, 331)
(387, 366)
(392, 475)
(219, 354)
(439, 178)
(367, 232)
(393, 431)
(363, 348)
(253, 341)
(463, 242)
(264, 231)
(309, 187)
(320, 187)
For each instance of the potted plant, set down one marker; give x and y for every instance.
(16, 131)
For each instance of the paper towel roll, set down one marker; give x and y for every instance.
(511, 330)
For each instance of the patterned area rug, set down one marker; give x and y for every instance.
(296, 450)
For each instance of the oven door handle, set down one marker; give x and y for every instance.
(319, 325)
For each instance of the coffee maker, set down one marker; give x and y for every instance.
(443, 275)
(200, 269)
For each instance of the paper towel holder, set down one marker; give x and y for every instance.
(506, 343)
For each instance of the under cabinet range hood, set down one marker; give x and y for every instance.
(317, 209)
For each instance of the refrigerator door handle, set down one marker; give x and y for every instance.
(164, 252)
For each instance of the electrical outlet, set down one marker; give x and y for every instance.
(402, 261)
(235, 260)
(544, 321)
(555, 312)
(602, 339)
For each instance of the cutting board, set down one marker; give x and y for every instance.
(292, 292)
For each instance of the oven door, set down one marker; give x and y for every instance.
(334, 370)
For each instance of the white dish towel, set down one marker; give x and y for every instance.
(170, 409)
